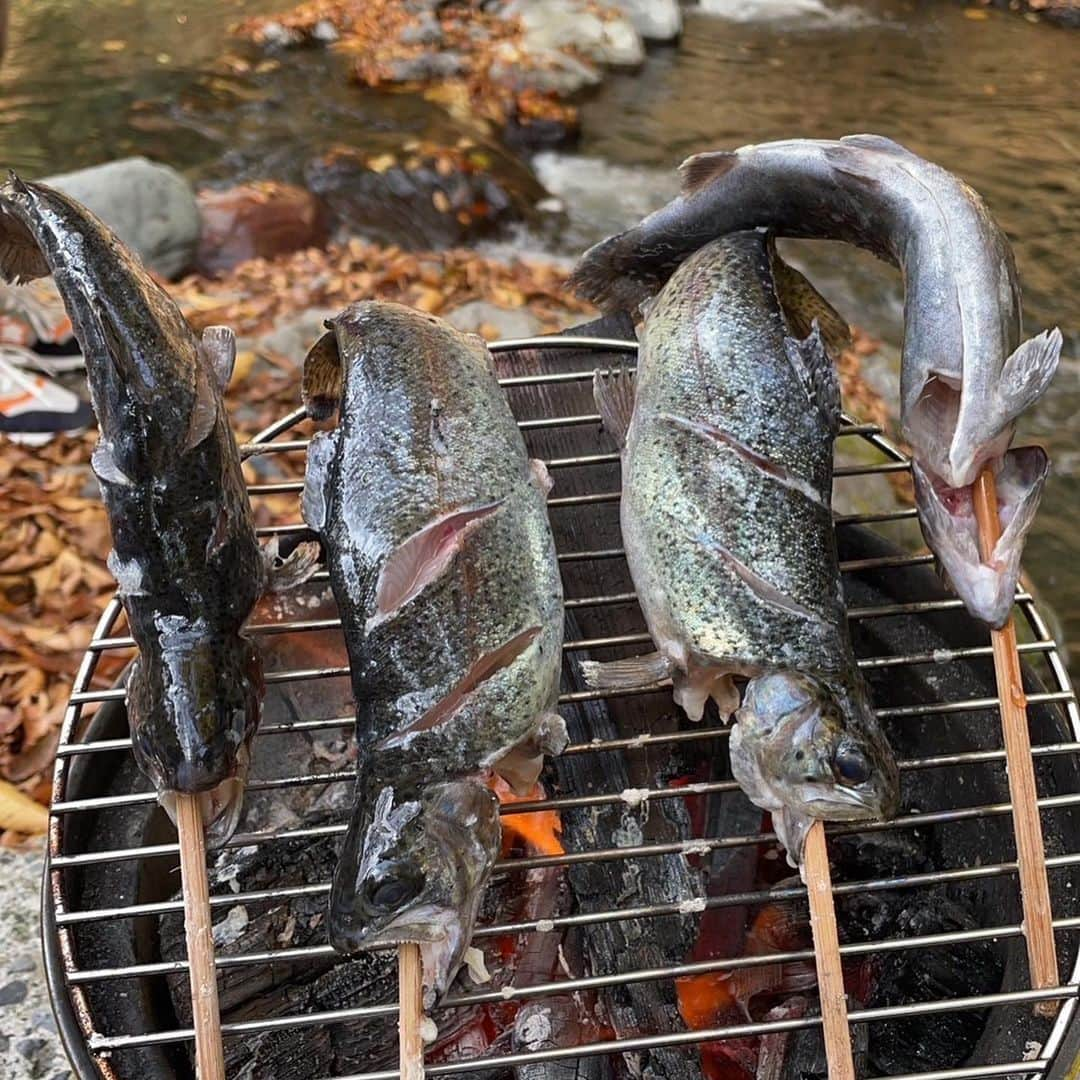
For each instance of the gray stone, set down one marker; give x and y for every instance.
(276, 36)
(555, 71)
(24, 962)
(427, 67)
(558, 24)
(291, 338)
(325, 31)
(426, 31)
(151, 208)
(654, 20)
(13, 992)
(476, 315)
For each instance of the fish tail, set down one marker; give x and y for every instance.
(615, 276)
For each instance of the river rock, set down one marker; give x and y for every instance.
(423, 197)
(550, 70)
(257, 220)
(654, 20)
(560, 24)
(150, 207)
(492, 321)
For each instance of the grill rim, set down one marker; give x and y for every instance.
(69, 1004)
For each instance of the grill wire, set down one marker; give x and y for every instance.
(70, 978)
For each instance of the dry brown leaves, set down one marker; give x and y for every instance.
(487, 44)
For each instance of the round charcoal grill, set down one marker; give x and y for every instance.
(111, 865)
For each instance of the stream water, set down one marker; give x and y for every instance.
(994, 98)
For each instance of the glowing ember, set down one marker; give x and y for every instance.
(537, 832)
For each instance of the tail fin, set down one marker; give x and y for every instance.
(613, 276)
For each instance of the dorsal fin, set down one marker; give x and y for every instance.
(811, 362)
(876, 142)
(218, 349)
(321, 384)
(21, 258)
(802, 304)
(699, 171)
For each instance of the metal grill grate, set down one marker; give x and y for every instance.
(89, 1037)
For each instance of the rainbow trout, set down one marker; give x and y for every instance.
(185, 557)
(727, 525)
(965, 377)
(434, 522)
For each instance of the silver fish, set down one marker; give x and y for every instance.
(966, 377)
(434, 522)
(727, 525)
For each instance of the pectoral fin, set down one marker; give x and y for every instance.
(626, 674)
(294, 569)
(613, 392)
(1027, 373)
(321, 452)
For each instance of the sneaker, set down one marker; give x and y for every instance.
(32, 316)
(34, 409)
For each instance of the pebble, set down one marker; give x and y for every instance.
(13, 993)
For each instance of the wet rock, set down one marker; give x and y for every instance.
(426, 31)
(654, 20)
(426, 195)
(325, 31)
(491, 321)
(258, 220)
(552, 71)
(427, 67)
(275, 36)
(291, 338)
(559, 24)
(150, 207)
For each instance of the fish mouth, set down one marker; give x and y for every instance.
(949, 526)
(221, 805)
(841, 803)
(436, 929)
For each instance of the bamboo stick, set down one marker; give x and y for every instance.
(410, 1012)
(1030, 855)
(209, 1054)
(834, 1016)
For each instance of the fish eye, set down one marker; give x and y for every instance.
(390, 893)
(851, 766)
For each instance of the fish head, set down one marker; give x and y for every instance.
(413, 869)
(813, 749)
(192, 715)
(951, 530)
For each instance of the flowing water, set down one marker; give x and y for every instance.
(995, 99)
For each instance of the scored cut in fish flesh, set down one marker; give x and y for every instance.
(434, 522)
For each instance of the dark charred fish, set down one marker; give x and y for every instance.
(727, 525)
(185, 556)
(435, 527)
(966, 376)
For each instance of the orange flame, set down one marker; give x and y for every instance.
(538, 831)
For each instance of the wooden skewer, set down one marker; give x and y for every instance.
(410, 1012)
(209, 1054)
(834, 1017)
(1030, 855)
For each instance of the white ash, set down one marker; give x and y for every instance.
(942, 656)
(690, 907)
(429, 1030)
(634, 796)
(545, 926)
(474, 961)
(231, 928)
(535, 1032)
(696, 847)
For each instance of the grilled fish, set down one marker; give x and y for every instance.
(727, 525)
(965, 376)
(185, 554)
(435, 528)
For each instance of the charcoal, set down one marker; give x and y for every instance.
(914, 1043)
